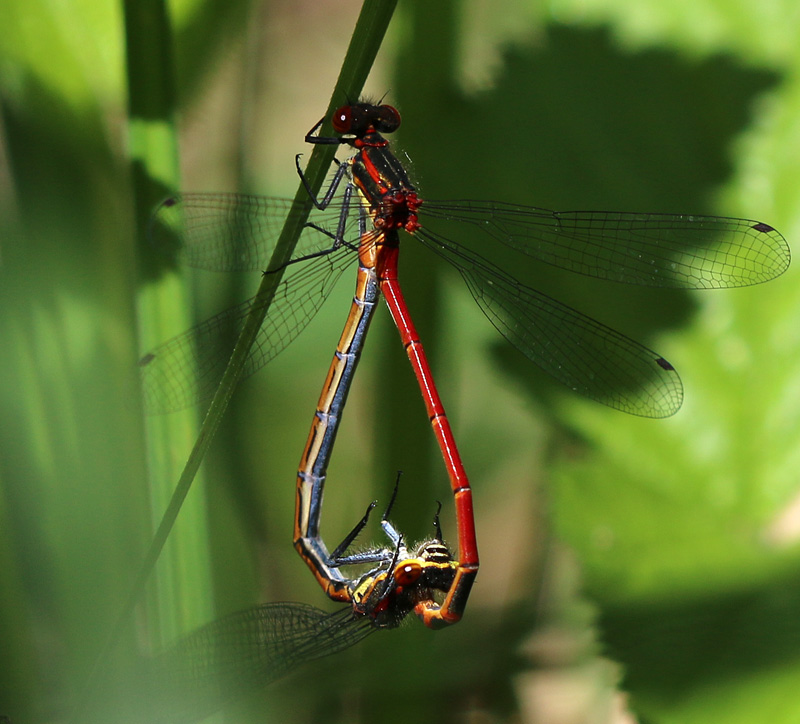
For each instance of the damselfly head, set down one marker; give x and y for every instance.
(359, 119)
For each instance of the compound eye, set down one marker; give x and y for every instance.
(407, 573)
(387, 119)
(343, 119)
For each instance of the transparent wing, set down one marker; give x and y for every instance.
(586, 356)
(236, 655)
(237, 232)
(188, 368)
(662, 250)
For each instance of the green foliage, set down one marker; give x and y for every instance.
(667, 546)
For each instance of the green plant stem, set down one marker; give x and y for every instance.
(163, 308)
(364, 44)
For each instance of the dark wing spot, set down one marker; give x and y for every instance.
(146, 360)
(761, 226)
(661, 362)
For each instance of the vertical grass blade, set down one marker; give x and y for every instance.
(153, 119)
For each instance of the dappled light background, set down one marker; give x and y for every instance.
(632, 570)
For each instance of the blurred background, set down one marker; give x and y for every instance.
(632, 569)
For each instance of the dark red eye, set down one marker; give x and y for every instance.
(387, 119)
(343, 119)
